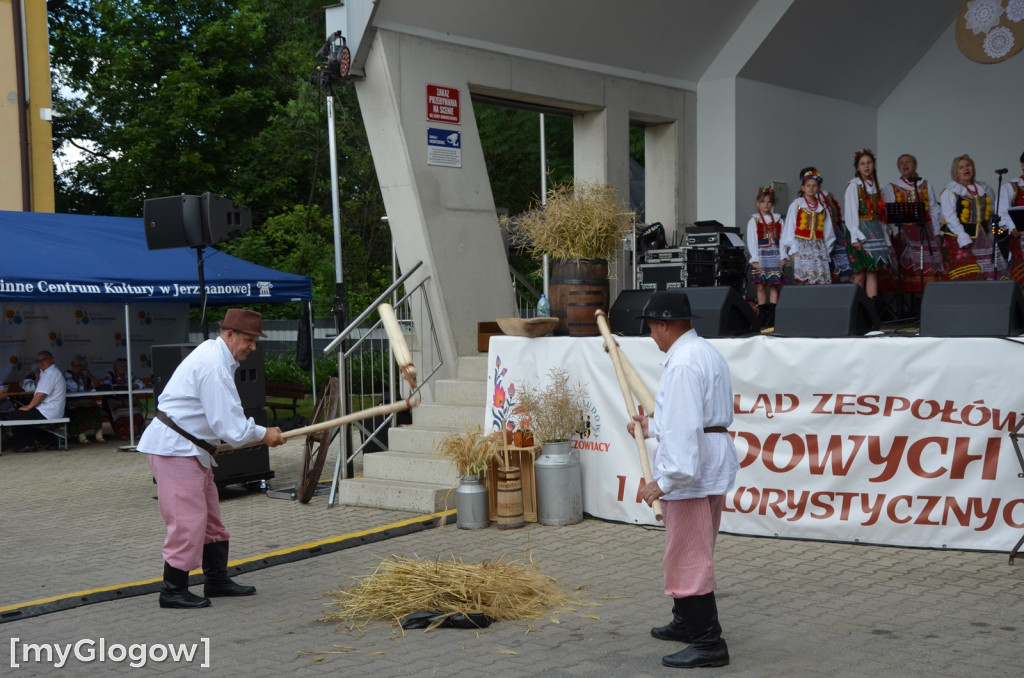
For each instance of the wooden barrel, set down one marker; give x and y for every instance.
(584, 283)
(580, 311)
(510, 499)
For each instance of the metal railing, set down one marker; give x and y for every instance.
(367, 372)
(526, 295)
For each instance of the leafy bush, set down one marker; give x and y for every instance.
(367, 371)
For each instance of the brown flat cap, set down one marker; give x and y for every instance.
(243, 320)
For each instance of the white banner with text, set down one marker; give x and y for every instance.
(884, 440)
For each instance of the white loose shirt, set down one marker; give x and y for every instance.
(752, 245)
(851, 207)
(1006, 195)
(201, 397)
(51, 382)
(934, 215)
(789, 245)
(694, 393)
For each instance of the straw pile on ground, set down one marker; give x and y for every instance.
(502, 590)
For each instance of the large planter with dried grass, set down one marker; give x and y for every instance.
(556, 413)
(472, 453)
(580, 228)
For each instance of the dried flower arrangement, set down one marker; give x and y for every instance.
(472, 451)
(579, 221)
(554, 410)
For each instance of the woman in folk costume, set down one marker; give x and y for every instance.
(920, 257)
(840, 260)
(1012, 195)
(766, 265)
(808, 235)
(967, 206)
(868, 244)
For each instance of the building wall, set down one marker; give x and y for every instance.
(38, 92)
(948, 105)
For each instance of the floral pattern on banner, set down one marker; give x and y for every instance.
(503, 400)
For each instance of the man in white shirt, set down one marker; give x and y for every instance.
(694, 466)
(47, 402)
(197, 409)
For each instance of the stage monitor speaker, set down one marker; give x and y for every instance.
(975, 308)
(175, 221)
(824, 311)
(193, 220)
(718, 312)
(622, 315)
(721, 312)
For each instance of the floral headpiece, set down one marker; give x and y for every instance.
(811, 174)
(766, 191)
(863, 151)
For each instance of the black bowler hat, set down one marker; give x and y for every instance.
(667, 305)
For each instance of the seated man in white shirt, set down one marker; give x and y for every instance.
(47, 403)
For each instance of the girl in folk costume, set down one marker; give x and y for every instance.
(839, 259)
(920, 258)
(1012, 195)
(766, 264)
(968, 249)
(868, 244)
(808, 235)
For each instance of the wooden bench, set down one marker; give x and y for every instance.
(55, 427)
(285, 390)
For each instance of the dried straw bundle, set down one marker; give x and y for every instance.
(472, 451)
(553, 411)
(502, 590)
(579, 221)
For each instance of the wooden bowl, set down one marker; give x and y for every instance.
(527, 327)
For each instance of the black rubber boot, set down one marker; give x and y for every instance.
(215, 569)
(762, 315)
(771, 315)
(707, 647)
(174, 591)
(675, 629)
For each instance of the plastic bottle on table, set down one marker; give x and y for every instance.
(543, 307)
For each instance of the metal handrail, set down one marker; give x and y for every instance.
(371, 308)
(525, 305)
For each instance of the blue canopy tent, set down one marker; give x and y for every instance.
(71, 257)
(83, 259)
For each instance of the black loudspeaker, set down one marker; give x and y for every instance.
(166, 358)
(976, 308)
(622, 315)
(193, 220)
(175, 221)
(223, 219)
(718, 312)
(251, 380)
(248, 464)
(721, 312)
(824, 311)
(250, 377)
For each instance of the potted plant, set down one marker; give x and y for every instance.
(472, 453)
(580, 227)
(555, 412)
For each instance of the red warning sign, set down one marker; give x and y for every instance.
(443, 104)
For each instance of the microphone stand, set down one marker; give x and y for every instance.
(925, 225)
(994, 221)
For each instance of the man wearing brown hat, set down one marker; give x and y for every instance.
(198, 409)
(694, 466)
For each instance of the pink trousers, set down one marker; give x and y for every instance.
(190, 507)
(691, 528)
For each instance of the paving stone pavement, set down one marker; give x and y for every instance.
(86, 518)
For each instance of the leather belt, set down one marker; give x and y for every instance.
(716, 429)
(162, 416)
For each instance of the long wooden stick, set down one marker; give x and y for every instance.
(636, 384)
(369, 413)
(403, 356)
(627, 395)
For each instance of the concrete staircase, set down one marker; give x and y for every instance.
(410, 476)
